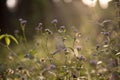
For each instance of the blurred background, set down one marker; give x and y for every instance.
(78, 13)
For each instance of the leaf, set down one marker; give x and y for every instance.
(2, 36)
(7, 40)
(13, 38)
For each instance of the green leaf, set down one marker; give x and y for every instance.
(2, 36)
(7, 40)
(13, 38)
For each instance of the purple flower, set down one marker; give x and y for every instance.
(22, 22)
(93, 62)
(54, 21)
(62, 27)
(106, 33)
(105, 41)
(78, 48)
(82, 58)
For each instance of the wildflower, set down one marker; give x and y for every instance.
(105, 41)
(82, 58)
(78, 35)
(62, 29)
(78, 48)
(93, 62)
(48, 31)
(22, 22)
(54, 21)
(106, 33)
(30, 56)
(42, 60)
(39, 27)
(97, 47)
(10, 71)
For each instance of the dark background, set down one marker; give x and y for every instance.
(35, 11)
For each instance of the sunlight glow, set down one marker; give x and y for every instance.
(90, 3)
(104, 3)
(11, 3)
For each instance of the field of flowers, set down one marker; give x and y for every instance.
(64, 53)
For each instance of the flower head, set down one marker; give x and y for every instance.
(54, 21)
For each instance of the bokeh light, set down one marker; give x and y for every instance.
(104, 3)
(11, 4)
(90, 3)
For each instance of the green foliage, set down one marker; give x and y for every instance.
(7, 39)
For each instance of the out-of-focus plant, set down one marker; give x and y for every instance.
(63, 55)
(7, 38)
